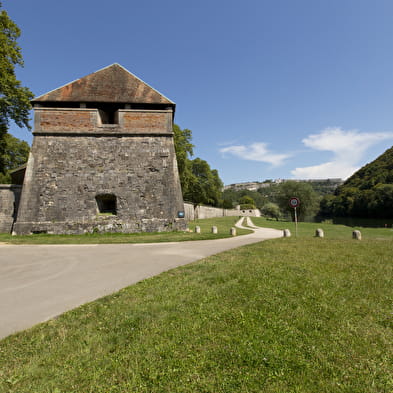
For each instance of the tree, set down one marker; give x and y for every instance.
(234, 196)
(16, 154)
(227, 204)
(183, 149)
(271, 210)
(326, 206)
(304, 192)
(14, 99)
(246, 202)
(205, 185)
(200, 183)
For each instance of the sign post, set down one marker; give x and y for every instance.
(294, 202)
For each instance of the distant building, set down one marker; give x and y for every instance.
(254, 186)
(251, 186)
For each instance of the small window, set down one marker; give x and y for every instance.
(109, 116)
(106, 204)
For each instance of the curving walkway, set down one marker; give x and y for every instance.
(39, 282)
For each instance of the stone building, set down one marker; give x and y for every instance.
(102, 159)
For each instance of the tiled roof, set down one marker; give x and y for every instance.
(111, 84)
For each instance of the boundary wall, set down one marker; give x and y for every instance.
(9, 201)
(200, 212)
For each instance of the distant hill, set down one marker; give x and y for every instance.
(320, 186)
(380, 171)
(368, 193)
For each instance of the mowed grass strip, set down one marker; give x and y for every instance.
(287, 315)
(331, 231)
(223, 224)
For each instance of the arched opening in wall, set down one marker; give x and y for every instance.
(106, 204)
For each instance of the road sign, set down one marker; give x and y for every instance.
(294, 202)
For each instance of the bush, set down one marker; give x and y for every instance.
(271, 210)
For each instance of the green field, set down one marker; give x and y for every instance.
(280, 316)
(306, 229)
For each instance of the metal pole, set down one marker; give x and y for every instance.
(295, 222)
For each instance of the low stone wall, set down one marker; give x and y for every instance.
(243, 213)
(9, 201)
(103, 224)
(201, 212)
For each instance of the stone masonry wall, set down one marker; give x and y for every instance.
(9, 200)
(65, 174)
(68, 168)
(201, 212)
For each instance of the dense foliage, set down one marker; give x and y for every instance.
(273, 200)
(366, 194)
(14, 98)
(246, 202)
(234, 197)
(271, 210)
(16, 153)
(200, 184)
(309, 200)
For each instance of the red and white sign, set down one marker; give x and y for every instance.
(294, 202)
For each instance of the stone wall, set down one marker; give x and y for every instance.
(75, 160)
(201, 212)
(9, 200)
(65, 175)
(243, 213)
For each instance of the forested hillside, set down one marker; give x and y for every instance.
(380, 171)
(366, 194)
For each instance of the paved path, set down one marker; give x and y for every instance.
(39, 282)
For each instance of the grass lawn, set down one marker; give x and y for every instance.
(331, 231)
(223, 225)
(281, 316)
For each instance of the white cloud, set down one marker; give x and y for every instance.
(348, 148)
(255, 152)
(325, 171)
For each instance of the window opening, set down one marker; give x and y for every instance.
(106, 204)
(108, 112)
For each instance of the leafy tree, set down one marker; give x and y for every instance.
(271, 210)
(14, 99)
(183, 149)
(16, 154)
(205, 185)
(200, 184)
(246, 202)
(309, 202)
(234, 196)
(382, 204)
(326, 206)
(227, 204)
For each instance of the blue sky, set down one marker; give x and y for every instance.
(270, 89)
